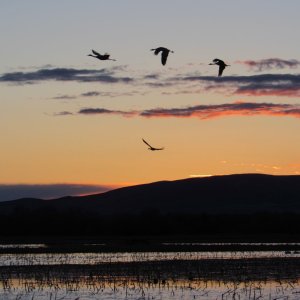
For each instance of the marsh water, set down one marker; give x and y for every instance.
(270, 274)
(29, 259)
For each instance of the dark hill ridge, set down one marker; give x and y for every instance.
(228, 194)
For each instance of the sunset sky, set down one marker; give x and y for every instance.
(72, 124)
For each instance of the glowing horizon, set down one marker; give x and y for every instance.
(70, 118)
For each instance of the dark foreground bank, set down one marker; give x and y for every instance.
(151, 223)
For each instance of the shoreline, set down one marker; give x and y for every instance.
(178, 243)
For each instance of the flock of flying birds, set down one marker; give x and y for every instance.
(164, 55)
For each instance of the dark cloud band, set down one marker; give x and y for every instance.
(47, 191)
(287, 85)
(255, 85)
(270, 63)
(64, 74)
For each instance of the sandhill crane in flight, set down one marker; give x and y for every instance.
(152, 148)
(221, 65)
(100, 56)
(164, 53)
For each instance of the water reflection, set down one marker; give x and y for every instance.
(22, 246)
(29, 259)
(227, 244)
(106, 288)
(218, 275)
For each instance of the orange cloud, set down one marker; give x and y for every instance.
(205, 112)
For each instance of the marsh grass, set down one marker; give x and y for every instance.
(218, 275)
(252, 279)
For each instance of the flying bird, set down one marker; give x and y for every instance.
(164, 53)
(100, 56)
(221, 65)
(152, 148)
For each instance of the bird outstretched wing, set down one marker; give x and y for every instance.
(164, 56)
(157, 50)
(147, 143)
(95, 52)
(221, 69)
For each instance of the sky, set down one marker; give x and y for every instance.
(71, 124)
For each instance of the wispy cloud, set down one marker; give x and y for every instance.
(90, 94)
(63, 113)
(287, 85)
(255, 85)
(205, 112)
(48, 191)
(103, 111)
(107, 94)
(64, 97)
(64, 74)
(200, 175)
(151, 76)
(270, 63)
(113, 94)
(260, 90)
(173, 82)
(270, 78)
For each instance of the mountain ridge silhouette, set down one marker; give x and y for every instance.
(220, 194)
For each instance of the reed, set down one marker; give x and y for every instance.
(139, 276)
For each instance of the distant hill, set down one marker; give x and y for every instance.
(228, 194)
(252, 204)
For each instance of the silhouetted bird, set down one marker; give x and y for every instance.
(164, 53)
(100, 56)
(152, 148)
(221, 65)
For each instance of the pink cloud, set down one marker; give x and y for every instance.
(210, 111)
